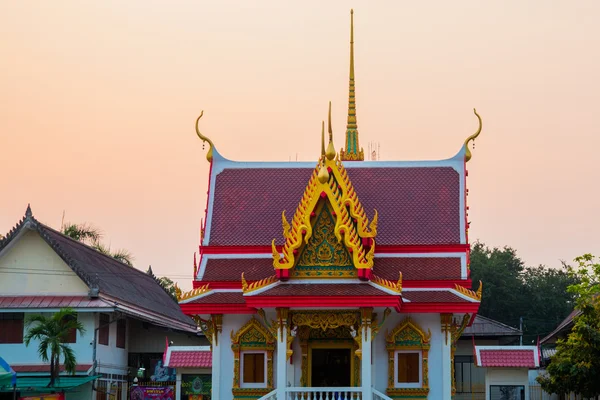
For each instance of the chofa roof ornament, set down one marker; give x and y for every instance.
(209, 155)
(472, 137)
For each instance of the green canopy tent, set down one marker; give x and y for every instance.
(8, 377)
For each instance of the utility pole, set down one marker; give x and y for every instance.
(521, 329)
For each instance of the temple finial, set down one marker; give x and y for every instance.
(352, 151)
(330, 153)
(472, 137)
(209, 155)
(28, 213)
(322, 138)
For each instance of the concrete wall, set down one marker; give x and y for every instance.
(506, 376)
(146, 338)
(46, 272)
(18, 353)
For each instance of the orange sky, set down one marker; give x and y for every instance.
(99, 98)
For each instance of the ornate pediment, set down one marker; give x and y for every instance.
(328, 220)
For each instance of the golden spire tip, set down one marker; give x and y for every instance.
(322, 138)
(330, 153)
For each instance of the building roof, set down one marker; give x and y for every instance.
(45, 368)
(45, 302)
(483, 326)
(412, 268)
(566, 324)
(126, 288)
(188, 357)
(507, 356)
(417, 205)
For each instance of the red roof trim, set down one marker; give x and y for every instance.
(324, 301)
(216, 308)
(440, 307)
(448, 248)
(437, 284)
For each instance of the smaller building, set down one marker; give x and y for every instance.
(507, 374)
(193, 365)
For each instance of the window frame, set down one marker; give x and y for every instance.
(14, 339)
(72, 335)
(402, 385)
(103, 329)
(122, 323)
(253, 385)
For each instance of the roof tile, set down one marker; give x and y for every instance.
(190, 359)
(507, 358)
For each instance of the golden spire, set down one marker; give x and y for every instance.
(322, 138)
(330, 153)
(472, 137)
(352, 150)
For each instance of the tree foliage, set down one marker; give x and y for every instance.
(512, 290)
(576, 365)
(52, 332)
(92, 236)
(169, 285)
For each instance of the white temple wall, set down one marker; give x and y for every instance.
(426, 321)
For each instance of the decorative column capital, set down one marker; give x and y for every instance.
(446, 320)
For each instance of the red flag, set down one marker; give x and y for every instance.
(539, 347)
(166, 349)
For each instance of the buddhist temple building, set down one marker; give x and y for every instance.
(338, 278)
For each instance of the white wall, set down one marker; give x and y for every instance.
(380, 354)
(18, 353)
(111, 359)
(49, 273)
(506, 376)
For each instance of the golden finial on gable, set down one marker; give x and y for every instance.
(480, 290)
(472, 138)
(322, 138)
(209, 155)
(330, 153)
(285, 224)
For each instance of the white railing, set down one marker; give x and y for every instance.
(270, 396)
(377, 395)
(338, 393)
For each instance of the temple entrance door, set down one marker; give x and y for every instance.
(331, 367)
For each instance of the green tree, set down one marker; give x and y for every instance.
(169, 285)
(52, 332)
(512, 291)
(576, 365)
(90, 235)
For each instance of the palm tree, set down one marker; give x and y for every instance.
(82, 232)
(52, 332)
(90, 235)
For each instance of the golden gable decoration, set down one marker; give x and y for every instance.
(329, 182)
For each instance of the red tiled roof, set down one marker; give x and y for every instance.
(22, 368)
(507, 358)
(50, 302)
(432, 296)
(412, 268)
(415, 268)
(190, 359)
(325, 289)
(416, 206)
(220, 298)
(254, 269)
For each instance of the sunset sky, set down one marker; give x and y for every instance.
(99, 98)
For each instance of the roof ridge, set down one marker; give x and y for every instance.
(497, 322)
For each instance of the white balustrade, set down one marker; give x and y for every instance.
(337, 393)
(377, 395)
(270, 396)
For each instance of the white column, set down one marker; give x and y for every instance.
(365, 368)
(177, 384)
(446, 366)
(216, 365)
(281, 359)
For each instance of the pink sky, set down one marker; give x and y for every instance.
(98, 103)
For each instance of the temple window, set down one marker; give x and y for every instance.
(408, 369)
(253, 346)
(254, 367)
(408, 348)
